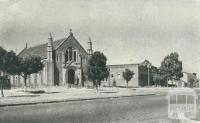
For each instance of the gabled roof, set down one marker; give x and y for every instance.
(71, 38)
(39, 50)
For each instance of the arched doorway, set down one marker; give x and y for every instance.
(71, 77)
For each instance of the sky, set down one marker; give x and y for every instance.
(126, 31)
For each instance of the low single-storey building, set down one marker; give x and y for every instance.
(116, 75)
(185, 81)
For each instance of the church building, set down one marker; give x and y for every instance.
(64, 62)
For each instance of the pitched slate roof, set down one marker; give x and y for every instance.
(41, 50)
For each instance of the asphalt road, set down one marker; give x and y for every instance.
(136, 109)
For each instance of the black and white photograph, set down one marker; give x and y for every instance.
(99, 61)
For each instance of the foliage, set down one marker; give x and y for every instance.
(191, 82)
(3, 53)
(107, 72)
(28, 66)
(128, 75)
(171, 67)
(146, 63)
(8, 65)
(197, 83)
(143, 73)
(143, 76)
(97, 70)
(8, 62)
(11, 63)
(156, 78)
(5, 82)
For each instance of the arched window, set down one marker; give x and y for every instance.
(66, 56)
(70, 53)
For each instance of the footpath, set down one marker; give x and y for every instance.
(16, 97)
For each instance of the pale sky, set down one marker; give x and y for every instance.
(127, 31)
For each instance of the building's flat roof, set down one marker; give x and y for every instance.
(121, 65)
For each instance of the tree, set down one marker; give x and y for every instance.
(148, 74)
(156, 79)
(154, 76)
(128, 75)
(8, 65)
(143, 75)
(2, 56)
(171, 67)
(29, 66)
(107, 72)
(197, 83)
(97, 69)
(192, 83)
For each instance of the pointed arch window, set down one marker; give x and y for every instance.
(66, 56)
(70, 53)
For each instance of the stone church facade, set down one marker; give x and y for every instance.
(64, 62)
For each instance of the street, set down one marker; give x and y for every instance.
(142, 109)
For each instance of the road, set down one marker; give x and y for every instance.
(136, 109)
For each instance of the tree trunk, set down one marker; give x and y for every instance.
(96, 84)
(25, 84)
(159, 82)
(108, 80)
(167, 82)
(126, 84)
(2, 94)
(191, 84)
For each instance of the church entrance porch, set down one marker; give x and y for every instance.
(71, 76)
